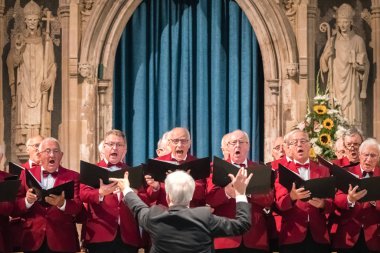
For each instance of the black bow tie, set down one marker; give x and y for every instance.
(119, 165)
(365, 173)
(47, 173)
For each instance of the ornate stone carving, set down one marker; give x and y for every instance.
(292, 71)
(86, 10)
(291, 7)
(32, 73)
(86, 70)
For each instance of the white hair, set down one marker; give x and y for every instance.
(47, 140)
(179, 187)
(369, 142)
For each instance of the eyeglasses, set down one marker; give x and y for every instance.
(301, 141)
(351, 144)
(176, 141)
(34, 145)
(114, 144)
(372, 155)
(235, 142)
(48, 151)
(278, 147)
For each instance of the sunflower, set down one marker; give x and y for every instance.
(312, 153)
(328, 123)
(320, 109)
(325, 139)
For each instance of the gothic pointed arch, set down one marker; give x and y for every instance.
(272, 28)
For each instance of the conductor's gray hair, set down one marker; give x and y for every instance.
(180, 188)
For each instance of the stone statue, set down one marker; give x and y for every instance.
(345, 59)
(32, 74)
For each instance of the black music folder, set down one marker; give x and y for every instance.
(91, 173)
(261, 181)
(15, 169)
(41, 193)
(9, 189)
(329, 164)
(318, 187)
(344, 178)
(199, 168)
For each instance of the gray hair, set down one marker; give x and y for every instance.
(244, 133)
(369, 142)
(163, 141)
(47, 140)
(116, 132)
(184, 128)
(33, 137)
(288, 135)
(179, 187)
(352, 131)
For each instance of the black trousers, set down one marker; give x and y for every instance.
(359, 247)
(307, 246)
(241, 249)
(115, 246)
(44, 249)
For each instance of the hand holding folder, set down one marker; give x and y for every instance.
(91, 173)
(41, 193)
(344, 178)
(318, 187)
(199, 168)
(261, 182)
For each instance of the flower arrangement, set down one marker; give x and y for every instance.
(325, 124)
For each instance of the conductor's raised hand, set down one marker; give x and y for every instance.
(241, 181)
(122, 183)
(151, 182)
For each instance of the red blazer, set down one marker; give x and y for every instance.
(257, 236)
(276, 213)
(199, 197)
(51, 223)
(6, 209)
(295, 213)
(341, 162)
(352, 220)
(26, 165)
(102, 217)
(282, 161)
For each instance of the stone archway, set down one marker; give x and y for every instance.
(108, 20)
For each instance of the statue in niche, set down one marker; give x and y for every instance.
(32, 74)
(345, 61)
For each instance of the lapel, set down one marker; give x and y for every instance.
(314, 170)
(36, 171)
(356, 170)
(60, 179)
(376, 172)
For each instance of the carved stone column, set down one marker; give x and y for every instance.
(69, 132)
(305, 33)
(2, 28)
(88, 105)
(375, 21)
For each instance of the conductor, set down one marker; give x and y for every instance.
(178, 228)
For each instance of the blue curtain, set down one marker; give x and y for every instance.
(188, 63)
